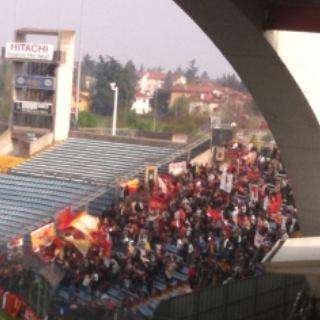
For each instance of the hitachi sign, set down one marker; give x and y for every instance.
(29, 51)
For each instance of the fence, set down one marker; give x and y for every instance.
(32, 287)
(187, 153)
(261, 298)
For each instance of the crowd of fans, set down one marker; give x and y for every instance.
(206, 226)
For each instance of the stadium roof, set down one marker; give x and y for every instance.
(27, 203)
(73, 174)
(94, 161)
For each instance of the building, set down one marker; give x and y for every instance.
(141, 105)
(151, 81)
(203, 104)
(89, 82)
(84, 101)
(201, 97)
(179, 80)
(42, 86)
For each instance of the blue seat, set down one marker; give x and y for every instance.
(116, 294)
(180, 276)
(184, 270)
(145, 311)
(153, 304)
(160, 286)
(170, 248)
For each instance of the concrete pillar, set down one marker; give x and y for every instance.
(64, 78)
(300, 52)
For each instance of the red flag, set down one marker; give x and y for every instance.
(158, 202)
(102, 238)
(275, 203)
(214, 214)
(12, 305)
(64, 219)
(253, 175)
(30, 315)
(171, 189)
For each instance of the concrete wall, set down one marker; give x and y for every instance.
(6, 146)
(41, 143)
(64, 78)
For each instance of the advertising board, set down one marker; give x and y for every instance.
(29, 51)
(33, 107)
(35, 82)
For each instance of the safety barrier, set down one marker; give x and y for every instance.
(259, 298)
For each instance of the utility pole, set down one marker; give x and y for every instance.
(155, 111)
(114, 88)
(79, 67)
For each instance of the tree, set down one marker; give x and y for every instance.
(159, 69)
(168, 81)
(230, 80)
(87, 119)
(128, 84)
(141, 69)
(180, 106)
(88, 69)
(160, 102)
(88, 66)
(110, 70)
(179, 72)
(5, 89)
(204, 78)
(192, 72)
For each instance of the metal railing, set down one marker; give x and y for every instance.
(259, 298)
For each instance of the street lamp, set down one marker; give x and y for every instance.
(114, 88)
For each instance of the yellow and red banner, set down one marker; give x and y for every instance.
(43, 236)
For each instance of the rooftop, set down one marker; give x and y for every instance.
(45, 32)
(94, 161)
(27, 203)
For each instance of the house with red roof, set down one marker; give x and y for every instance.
(141, 104)
(202, 97)
(151, 81)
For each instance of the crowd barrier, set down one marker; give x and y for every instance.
(260, 298)
(31, 288)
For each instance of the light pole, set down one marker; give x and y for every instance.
(114, 88)
(155, 110)
(79, 66)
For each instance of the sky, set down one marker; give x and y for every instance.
(149, 32)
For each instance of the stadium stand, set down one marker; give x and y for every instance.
(94, 161)
(28, 202)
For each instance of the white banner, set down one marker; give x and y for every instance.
(177, 168)
(32, 51)
(219, 154)
(258, 239)
(254, 192)
(226, 182)
(33, 106)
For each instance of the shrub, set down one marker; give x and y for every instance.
(88, 119)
